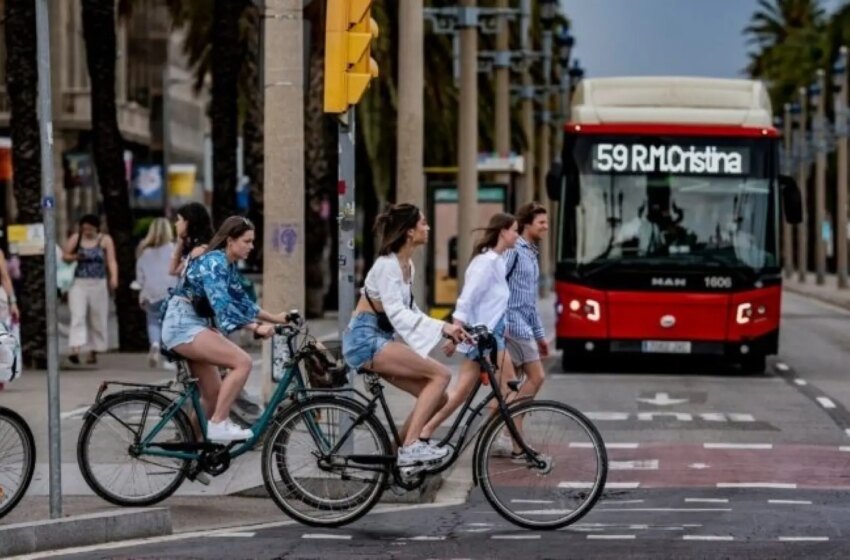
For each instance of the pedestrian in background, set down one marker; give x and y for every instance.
(154, 278)
(10, 317)
(194, 231)
(96, 273)
(525, 335)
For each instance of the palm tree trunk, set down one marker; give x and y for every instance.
(99, 37)
(227, 58)
(252, 127)
(22, 88)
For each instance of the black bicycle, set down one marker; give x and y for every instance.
(17, 459)
(329, 458)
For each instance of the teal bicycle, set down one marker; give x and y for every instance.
(139, 444)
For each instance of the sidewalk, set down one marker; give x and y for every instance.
(828, 292)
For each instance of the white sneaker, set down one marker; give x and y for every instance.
(420, 452)
(227, 431)
(153, 356)
(502, 447)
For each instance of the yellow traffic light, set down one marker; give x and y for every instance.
(349, 67)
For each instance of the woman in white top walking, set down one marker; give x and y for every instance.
(154, 278)
(483, 301)
(386, 315)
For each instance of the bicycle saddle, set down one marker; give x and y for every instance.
(171, 355)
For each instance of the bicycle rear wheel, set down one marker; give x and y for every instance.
(560, 491)
(17, 459)
(306, 481)
(105, 449)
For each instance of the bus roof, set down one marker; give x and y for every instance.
(672, 100)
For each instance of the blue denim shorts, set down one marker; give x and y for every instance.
(181, 323)
(498, 334)
(362, 340)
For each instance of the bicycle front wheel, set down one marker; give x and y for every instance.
(557, 492)
(108, 456)
(314, 485)
(17, 459)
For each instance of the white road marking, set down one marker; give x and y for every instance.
(325, 536)
(516, 537)
(782, 367)
(530, 502)
(847, 431)
(424, 538)
(801, 382)
(480, 524)
(608, 485)
(607, 416)
(844, 448)
(611, 537)
(791, 502)
(825, 402)
(803, 539)
(708, 538)
(707, 500)
(679, 510)
(699, 466)
(740, 417)
(737, 445)
(234, 534)
(477, 530)
(622, 501)
(642, 465)
(589, 445)
(74, 413)
(776, 485)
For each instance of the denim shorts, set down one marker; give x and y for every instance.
(362, 340)
(181, 323)
(498, 334)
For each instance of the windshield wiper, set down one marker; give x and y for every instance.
(737, 271)
(601, 267)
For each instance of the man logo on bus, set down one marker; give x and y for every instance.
(638, 158)
(669, 282)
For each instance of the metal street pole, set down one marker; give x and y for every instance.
(410, 173)
(48, 205)
(166, 126)
(467, 179)
(526, 183)
(545, 160)
(842, 179)
(819, 131)
(346, 218)
(803, 171)
(787, 229)
(502, 78)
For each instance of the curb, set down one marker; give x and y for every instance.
(84, 530)
(837, 302)
(425, 494)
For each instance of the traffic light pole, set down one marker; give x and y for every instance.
(819, 131)
(345, 190)
(802, 177)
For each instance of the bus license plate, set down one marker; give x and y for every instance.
(666, 347)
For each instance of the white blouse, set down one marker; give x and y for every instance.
(484, 299)
(385, 283)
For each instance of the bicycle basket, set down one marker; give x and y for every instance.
(324, 365)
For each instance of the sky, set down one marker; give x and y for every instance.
(662, 37)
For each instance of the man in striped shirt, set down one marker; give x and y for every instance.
(526, 338)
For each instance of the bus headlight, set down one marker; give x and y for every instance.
(745, 311)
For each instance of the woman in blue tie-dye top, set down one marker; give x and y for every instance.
(208, 304)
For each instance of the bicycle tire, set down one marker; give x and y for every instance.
(292, 494)
(483, 456)
(92, 418)
(22, 429)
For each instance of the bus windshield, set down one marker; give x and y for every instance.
(649, 213)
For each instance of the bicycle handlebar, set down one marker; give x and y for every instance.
(290, 329)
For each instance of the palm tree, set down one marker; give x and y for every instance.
(22, 88)
(791, 43)
(99, 36)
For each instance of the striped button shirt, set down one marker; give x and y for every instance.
(523, 320)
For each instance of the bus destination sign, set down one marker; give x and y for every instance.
(670, 158)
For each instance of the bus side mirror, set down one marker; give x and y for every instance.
(792, 203)
(554, 180)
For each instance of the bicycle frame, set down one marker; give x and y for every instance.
(190, 451)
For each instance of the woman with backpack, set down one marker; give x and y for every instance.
(483, 301)
(96, 273)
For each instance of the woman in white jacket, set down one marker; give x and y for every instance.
(154, 279)
(390, 335)
(483, 301)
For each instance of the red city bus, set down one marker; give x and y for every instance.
(668, 229)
